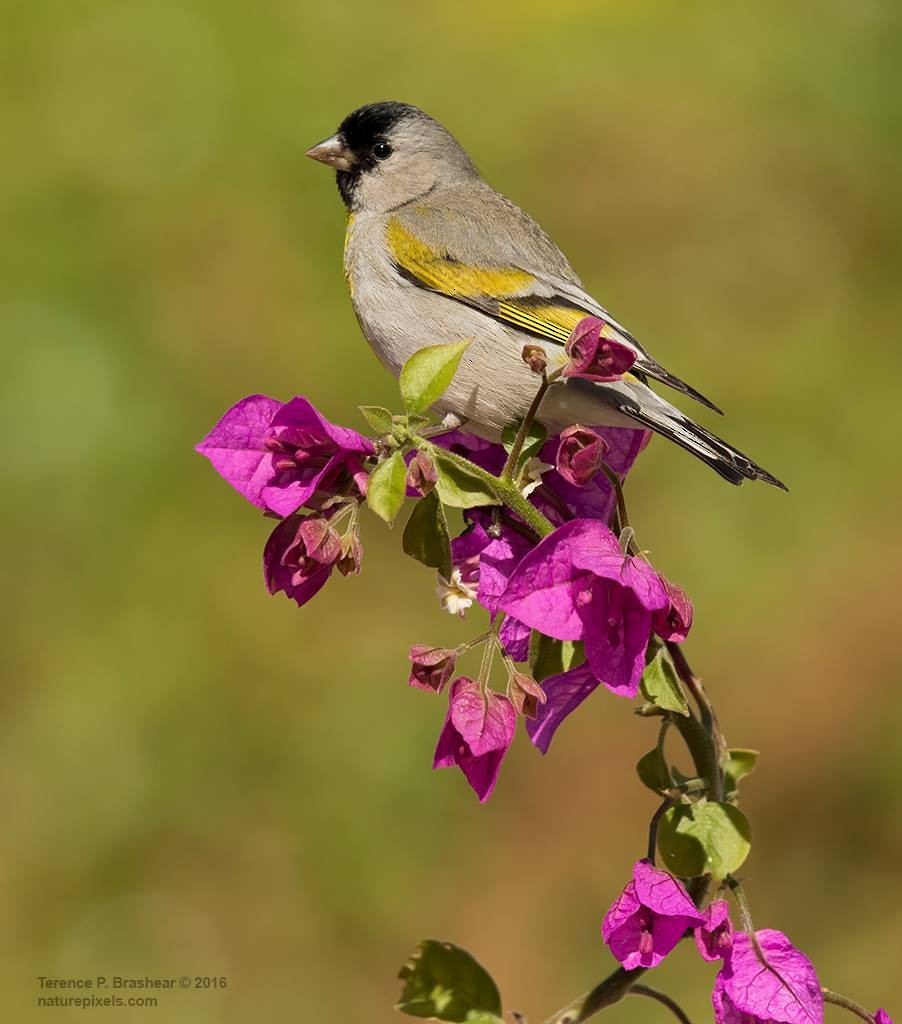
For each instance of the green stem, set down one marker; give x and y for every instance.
(847, 1004)
(605, 993)
(653, 828)
(505, 491)
(708, 718)
(513, 459)
(661, 997)
(622, 516)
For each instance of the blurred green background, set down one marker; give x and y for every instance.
(198, 778)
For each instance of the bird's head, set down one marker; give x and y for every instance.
(388, 154)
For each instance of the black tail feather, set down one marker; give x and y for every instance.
(723, 458)
(653, 369)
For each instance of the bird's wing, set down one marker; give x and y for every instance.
(483, 251)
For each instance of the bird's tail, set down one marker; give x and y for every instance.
(651, 411)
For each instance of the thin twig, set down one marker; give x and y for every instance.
(653, 828)
(847, 1004)
(664, 999)
(513, 458)
(614, 987)
(709, 719)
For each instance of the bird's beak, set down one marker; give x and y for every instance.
(334, 152)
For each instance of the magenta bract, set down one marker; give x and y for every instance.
(675, 621)
(431, 667)
(580, 454)
(882, 1017)
(477, 733)
(595, 357)
(786, 991)
(299, 557)
(278, 456)
(564, 693)
(577, 584)
(648, 918)
(714, 936)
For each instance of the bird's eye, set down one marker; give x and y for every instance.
(382, 151)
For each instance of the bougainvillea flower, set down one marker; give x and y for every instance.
(431, 667)
(488, 560)
(577, 584)
(422, 474)
(479, 729)
(580, 454)
(525, 693)
(882, 1017)
(675, 621)
(456, 594)
(278, 455)
(784, 991)
(714, 936)
(299, 556)
(648, 918)
(595, 357)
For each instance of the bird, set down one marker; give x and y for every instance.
(434, 254)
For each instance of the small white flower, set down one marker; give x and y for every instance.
(533, 473)
(455, 595)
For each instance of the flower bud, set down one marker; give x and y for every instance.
(431, 667)
(421, 473)
(674, 621)
(351, 554)
(595, 357)
(580, 455)
(535, 358)
(525, 694)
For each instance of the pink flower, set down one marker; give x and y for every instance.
(479, 729)
(594, 357)
(714, 936)
(580, 454)
(278, 456)
(675, 621)
(577, 584)
(782, 990)
(488, 559)
(648, 918)
(882, 1017)
(300, 555)
(431, 667)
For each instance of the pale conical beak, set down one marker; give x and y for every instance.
(333, 152)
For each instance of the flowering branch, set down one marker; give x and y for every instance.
(574, 606)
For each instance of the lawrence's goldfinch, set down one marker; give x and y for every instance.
(434, 254)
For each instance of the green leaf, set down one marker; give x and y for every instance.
(740, 762)
(387, 488)
(445, 982)
(661, 687)
(457, 487)
(378, 417)
(653, 771)
(704, 839)
(549, 657)
(428, 372)
(426, 536)
(536, 437)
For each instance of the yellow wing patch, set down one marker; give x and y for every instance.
(439, 271)
(505, 293)
(549, 321)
